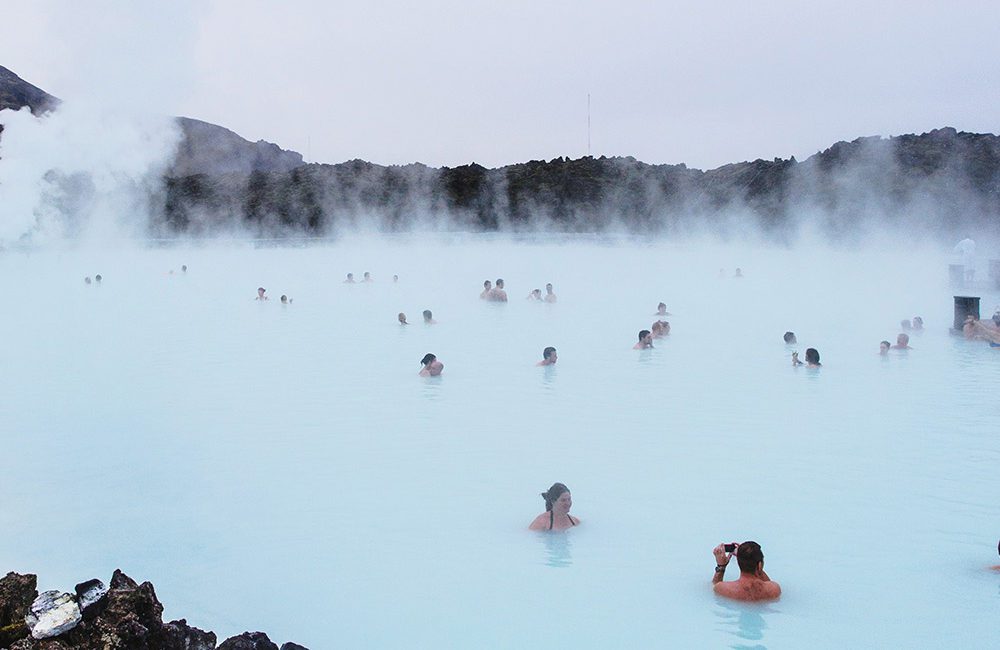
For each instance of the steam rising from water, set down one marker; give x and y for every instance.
(83, 172)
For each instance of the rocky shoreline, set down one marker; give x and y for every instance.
(123, 615)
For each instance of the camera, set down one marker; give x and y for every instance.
(729, 548)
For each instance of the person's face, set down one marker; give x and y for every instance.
(648, 339)
(487, 284)
(402, 318)
(260, 293)
(548, 288)
(553, 357)
(883, 347)
(499, 284)
(662, 309)
(563, 503)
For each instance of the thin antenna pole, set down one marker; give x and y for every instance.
(588, 125)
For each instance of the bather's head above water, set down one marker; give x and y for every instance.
(790, 338)
(883, 347)
(558, 502)
(431, 366)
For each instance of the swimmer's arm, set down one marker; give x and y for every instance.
(721, 560)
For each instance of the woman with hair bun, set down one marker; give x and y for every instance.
(558, 501)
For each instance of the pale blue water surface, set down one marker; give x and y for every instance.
(283, 468)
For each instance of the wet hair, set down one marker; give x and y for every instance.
(643, 334)
(98, 277)
(789, 337)
(428, 359)
(284, 298)
(259, 289)
(885, 343)
(547, 352)
(427, 314)
(812, 356)
(552, 495)
(749, 556)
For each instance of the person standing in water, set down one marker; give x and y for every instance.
(431, 366)
(558, 501)
(883, 348)
(487, 290)
(661, 310)
(536, 294)
(812, 358)
(402, 319)
(260, 294)
(549, 357)
(550, 296)
(429, 318)
(753, 584)
(902, 342)
(367, 277)
(498, 294)
(645, 340)
(350, 279)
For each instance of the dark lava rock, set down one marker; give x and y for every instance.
(91, 595)
(17, 592)
(185, 637)
(292, 646)
(248, 641)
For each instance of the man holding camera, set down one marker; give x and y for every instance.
(753, 583)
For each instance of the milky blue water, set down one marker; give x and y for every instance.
(283, 468)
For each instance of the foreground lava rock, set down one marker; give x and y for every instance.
(124, 615)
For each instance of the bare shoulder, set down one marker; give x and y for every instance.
(541, 522)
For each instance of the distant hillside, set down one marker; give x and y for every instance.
(204, 148)
(943, 182)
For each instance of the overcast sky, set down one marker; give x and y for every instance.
(448, 83)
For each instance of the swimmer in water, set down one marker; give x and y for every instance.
(367, 277)
(661, 310)
(98, 278)
(883, 348)
(350, 279)
(86, 280)
(284, 299)
(536, 294)
(645, 340)
(918, 323)
(902, 342)
(753, 584)
(402, 319)
(395, 278)
(184, 268)
(558, 501)
(790, 338)
(429, 318)
(739, 273)
(498, 294)
(431, 366)
(260, 294)
(656, 329)
(549, 295)
(549, 357)
(812, 358)
(487, 290)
